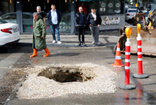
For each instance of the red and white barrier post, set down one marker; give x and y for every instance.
(140, 74)
(127, 85)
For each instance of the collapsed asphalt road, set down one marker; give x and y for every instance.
(103, 55)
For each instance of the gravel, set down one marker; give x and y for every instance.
(36, 87)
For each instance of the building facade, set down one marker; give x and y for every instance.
(20, 12)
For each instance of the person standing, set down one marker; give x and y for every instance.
(39, 36)
(84, 8)
(54, 19)
(42, 14)
(80, 22)
(94, 21)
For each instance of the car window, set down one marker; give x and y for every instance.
(9, 16)
(2, 22)
(27, 16)
(132, 11)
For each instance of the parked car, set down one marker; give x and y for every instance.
(11, 17)
(130, 13)
(9, 33)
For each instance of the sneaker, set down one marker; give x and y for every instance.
(78, 45)
(98, 44)
(84, 45)
(54, 41)
(59, 42)
(93, 42)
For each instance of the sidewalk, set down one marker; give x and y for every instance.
(72, 40)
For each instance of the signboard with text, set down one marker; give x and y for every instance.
(112, 21)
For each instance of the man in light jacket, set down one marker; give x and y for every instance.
(54, 19)
(94, 21)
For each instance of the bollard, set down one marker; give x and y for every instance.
(127, 85)
(140, 74)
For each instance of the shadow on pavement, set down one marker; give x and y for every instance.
(65, 54)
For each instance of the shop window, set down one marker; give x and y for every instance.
(117, 8)
(110, 6)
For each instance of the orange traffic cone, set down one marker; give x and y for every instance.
(118, 62)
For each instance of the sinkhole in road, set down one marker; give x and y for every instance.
(67, 74)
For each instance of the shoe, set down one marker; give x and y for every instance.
(47, 52)
(54, 41)
(59, 42)
(93, 42)
(79, 44)
(98, 43)
(34, 53)
(84, 45)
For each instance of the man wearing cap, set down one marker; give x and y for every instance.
(94, 21)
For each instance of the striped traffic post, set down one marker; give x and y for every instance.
(140, 74)
(127, 85)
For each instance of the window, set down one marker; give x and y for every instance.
(110, 6)
(2, 22)
(27, 16)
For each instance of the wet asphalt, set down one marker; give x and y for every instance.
(67, 53)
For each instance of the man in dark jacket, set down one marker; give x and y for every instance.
(42, 14)
(80, 22)
(39, 36)
(94, 21)
(54, 19)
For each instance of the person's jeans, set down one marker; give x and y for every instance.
(81, 31)
(95, 34)
(55, 30)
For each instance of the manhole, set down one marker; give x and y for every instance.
(67, 74)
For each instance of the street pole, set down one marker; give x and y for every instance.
(19, 15)
(72, 16)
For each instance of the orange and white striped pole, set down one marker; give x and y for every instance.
(127, 85)
(140, 74)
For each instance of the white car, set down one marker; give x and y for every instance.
(9, 33)
(130, 13)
